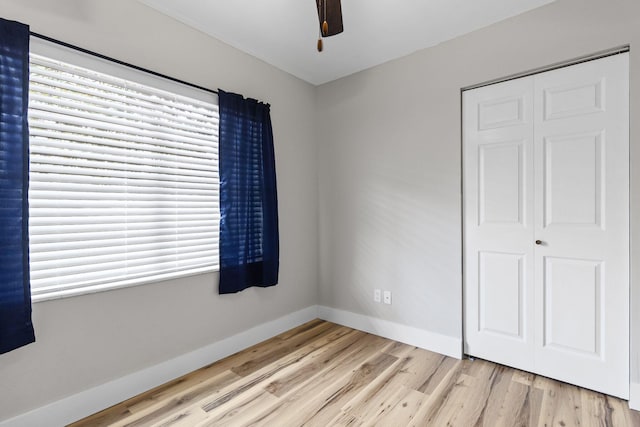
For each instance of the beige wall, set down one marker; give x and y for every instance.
(86, 341)
(390, 160)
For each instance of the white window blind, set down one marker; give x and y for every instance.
(123, 181)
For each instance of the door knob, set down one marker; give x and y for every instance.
(538, 242)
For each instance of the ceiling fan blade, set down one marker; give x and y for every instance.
(333, 18)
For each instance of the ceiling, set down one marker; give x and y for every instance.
(283, 33)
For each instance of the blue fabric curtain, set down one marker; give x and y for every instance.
(16, 329)
(249, 246)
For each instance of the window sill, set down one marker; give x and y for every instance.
(74, 292)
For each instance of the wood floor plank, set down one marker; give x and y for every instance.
(467, 401)
(621, 415)
(561, 405)
(261, 356)
(398, 410)
(523, 377)
(184, 418)
(300, 329)
(536, 396)
(321, 374)
(108, 417)
(409, 371)
(493, 413)
(332, 385)
(316, 362)
(345, 420)
(439, 392)
(242, 410)
(174, 404)
(262, 378)
(595, 409)
(397, 349)
(364, 374)
(445, 367)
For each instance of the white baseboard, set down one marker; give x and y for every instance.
(634, 396)
(406, 334)
(90, 401)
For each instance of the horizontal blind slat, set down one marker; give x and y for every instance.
(59, 70)
(132, 158)
(117, 241)
(124, 180)
(90, 231)
(68, 142)
(84, 107)
(44, 92)
(110, 250)
(115, 138)
(81, 120)
(128, 206)
(139, 184)
(77, 190)
(61, 166)
(115, 219)
(54, 268)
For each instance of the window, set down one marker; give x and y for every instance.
(123, 179)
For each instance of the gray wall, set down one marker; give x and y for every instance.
(89, 340)
(388, 212)
(390, 160)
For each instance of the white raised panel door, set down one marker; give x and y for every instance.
(546, 224)
(498, 222)
(582, 219)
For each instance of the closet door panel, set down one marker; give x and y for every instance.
(498, 223)
(581, 146)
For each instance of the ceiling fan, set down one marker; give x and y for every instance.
(329, 18)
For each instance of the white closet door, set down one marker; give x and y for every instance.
(499, 221)
(582, 219)
(546, 223)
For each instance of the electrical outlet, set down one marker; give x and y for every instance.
(377, 295)
(387, 297)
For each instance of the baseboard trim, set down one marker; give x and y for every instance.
(83, 404)
(407, 334)
(634, 396)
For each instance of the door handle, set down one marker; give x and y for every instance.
(538, 242)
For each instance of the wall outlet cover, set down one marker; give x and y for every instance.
(387, 297)
(377, 295)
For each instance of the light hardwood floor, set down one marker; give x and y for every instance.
(322, 374)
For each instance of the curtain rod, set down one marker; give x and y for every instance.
(117, 61)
